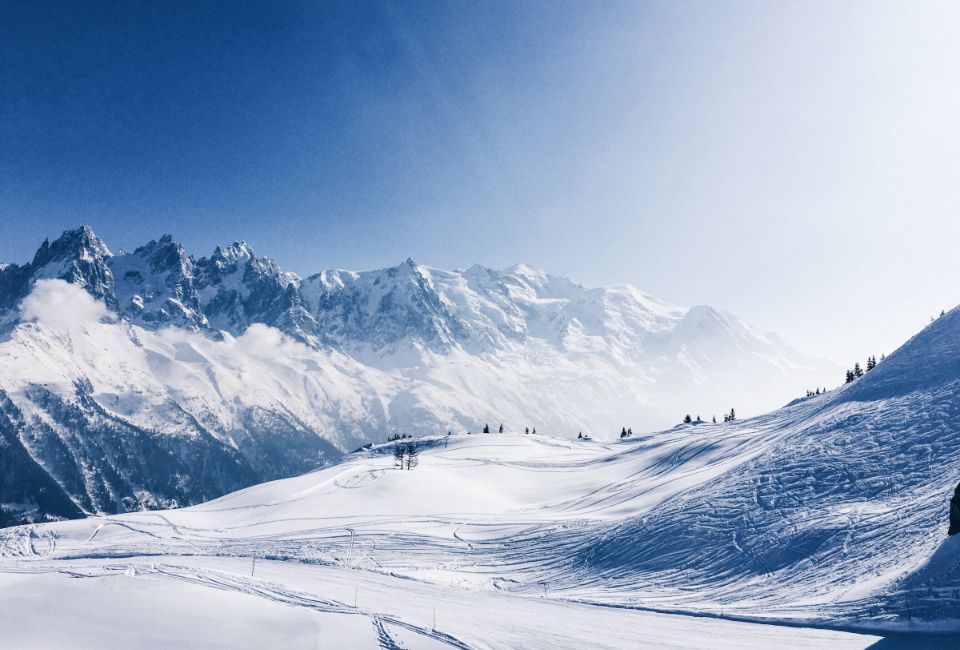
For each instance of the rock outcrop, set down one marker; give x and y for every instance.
(955, 512)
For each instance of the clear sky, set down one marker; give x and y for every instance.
(795, 163)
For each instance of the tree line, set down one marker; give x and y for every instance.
(857, 372)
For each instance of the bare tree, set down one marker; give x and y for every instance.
(412, 455)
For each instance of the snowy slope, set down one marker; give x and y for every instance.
(155, 379)
(830, 512)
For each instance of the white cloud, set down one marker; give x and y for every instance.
(60, 305)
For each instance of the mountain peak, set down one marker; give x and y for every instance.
(79, 242)
(407, 269)
(526, 271)
(231, 256)
(77, 256)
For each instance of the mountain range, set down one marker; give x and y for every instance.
(157, 379)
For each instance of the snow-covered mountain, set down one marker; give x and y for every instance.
(156, 379)
(826, 519)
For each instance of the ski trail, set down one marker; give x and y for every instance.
(280, 594)
(50, 540)
(383, 637)
(436, 635)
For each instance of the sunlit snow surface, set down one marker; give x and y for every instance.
(515, 541)
(825, 520)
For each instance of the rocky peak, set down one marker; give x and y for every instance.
(232, 255)
(154, 285)
(80, 243)
(77, 256)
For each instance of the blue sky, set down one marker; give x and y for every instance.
(795, 163)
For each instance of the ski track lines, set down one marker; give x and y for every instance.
(793, 516)
(280, 594)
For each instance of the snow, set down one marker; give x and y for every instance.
(822, 523)
(66, 336)
(485, 526)
(170, 347)
(145, 611)
(191, 603)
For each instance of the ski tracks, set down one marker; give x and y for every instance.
(280, 594)
(383, 636)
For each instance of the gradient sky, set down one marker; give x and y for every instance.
(795, 163)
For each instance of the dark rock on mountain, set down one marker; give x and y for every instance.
(955, 512)
(155, 285)
(78, 256)
(29, 492)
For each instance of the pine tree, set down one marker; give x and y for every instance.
(733, 415)
(526, 430)
(857, 370)
(534, 430)
(623, 432)
(850, 376)
(871, 363)
(686, 419)
(714, 419)
(486, 428)
(501, 427)
(629, 432)
(580, 436)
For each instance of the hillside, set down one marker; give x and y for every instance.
(831, 512)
